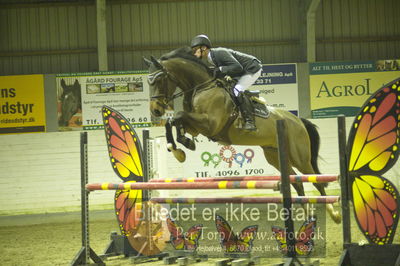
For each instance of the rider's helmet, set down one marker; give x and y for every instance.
(201, 40)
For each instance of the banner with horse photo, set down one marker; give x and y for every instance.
(81, 96)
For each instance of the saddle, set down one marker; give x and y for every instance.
(259, 104)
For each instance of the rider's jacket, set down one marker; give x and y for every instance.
(234, 63)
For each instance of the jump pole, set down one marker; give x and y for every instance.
(86, 252)
(344, 180)
(293, 179)
(185, 185)
(286, 193)
(250, 200)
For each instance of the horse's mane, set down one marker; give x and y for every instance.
(185, 53)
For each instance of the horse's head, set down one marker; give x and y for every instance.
(70, 101)
(178, 68)
(162, 87)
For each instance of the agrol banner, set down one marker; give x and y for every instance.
(342, 87)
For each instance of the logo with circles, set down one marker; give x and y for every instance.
(229, 155)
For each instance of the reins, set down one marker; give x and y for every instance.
(174, 80)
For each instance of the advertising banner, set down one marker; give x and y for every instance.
(211, 159)
(22, 107)
(342, 87)
(82, 95)
(278, 85)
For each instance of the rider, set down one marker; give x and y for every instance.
(243, 67)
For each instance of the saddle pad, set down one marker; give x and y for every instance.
(260, 110)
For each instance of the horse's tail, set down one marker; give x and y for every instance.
(314, 141)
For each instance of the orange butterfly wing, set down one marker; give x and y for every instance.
(231, 242)
(128, 208)
(304, 241)
(181, 240)
(280, 235)
(192, 237)
(372, 150)
(125, 154)
(123, 146)
(177, 235)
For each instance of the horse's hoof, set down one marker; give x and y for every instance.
(179, 155)
(170, 147)
(335, 215)
(337, 218)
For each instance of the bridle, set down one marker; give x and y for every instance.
(165, 75)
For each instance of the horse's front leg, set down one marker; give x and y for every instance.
(192, 123)
(180, 134)
(171, 145)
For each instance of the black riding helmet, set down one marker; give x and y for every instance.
(201, 40)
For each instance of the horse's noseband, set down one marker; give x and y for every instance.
(153, 76)
(162, 73)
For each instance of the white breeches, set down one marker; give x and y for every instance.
(246, 81)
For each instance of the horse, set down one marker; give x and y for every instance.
(70, 101)
(209, 110)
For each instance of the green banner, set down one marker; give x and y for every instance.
(342, 87)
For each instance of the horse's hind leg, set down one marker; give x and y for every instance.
(272, 156)
(306, 168)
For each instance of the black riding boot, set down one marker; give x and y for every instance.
(246, 111)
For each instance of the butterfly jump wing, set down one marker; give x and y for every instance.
(181, 240)
(304, 241)
(125, 155)
(376, 207)
(246, 238)
(124, 147)
(280, 235)
(231, 242)
(128, 207)
(192, 237)
(373, 148)
(228, 238)
(177, 238)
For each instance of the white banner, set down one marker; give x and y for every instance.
(126, 93)
(278, 85)
(211, 159)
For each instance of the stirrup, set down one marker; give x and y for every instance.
(248, 126)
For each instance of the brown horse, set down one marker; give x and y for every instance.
(210, 110)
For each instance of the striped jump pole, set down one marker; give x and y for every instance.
(186, 185)
(293, 179)
(252, 200)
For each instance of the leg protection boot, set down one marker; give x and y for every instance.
(246, 111)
